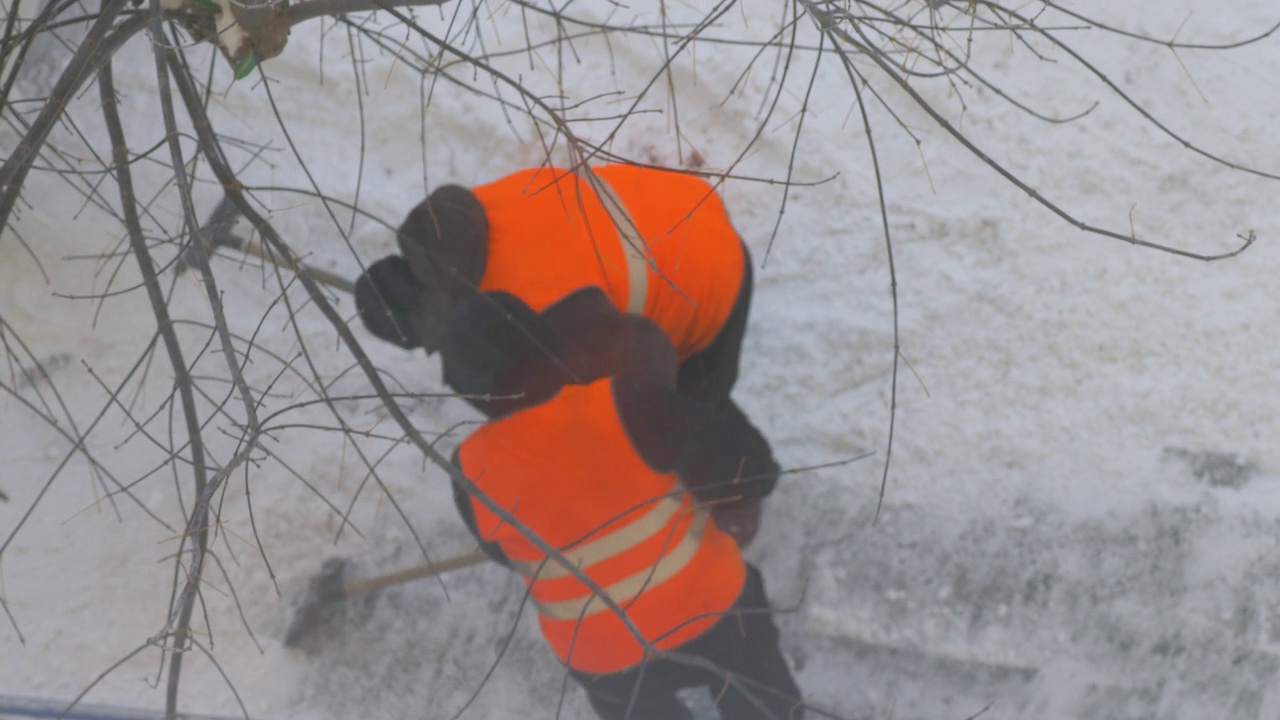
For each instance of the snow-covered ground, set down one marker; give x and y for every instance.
(1082, 518)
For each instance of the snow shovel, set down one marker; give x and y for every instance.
(327, 589)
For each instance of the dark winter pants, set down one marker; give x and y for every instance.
(744, 643)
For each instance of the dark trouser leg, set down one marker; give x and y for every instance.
(611, 695)
(745, 643)
(710, 374)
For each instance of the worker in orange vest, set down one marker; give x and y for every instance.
(657, 243)
(641, 489)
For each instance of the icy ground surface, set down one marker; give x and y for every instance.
(1082, 519)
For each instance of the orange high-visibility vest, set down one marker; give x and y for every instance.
(550, 234)
(567, 469)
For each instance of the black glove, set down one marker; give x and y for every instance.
(489, 334)
(387, 297)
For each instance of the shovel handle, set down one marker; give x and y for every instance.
(320, 275)
(361, 587)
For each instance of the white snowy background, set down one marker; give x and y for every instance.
(1082, 515)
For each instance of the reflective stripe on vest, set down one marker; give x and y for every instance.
(633, 245)
(673, 560)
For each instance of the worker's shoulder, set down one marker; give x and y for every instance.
(529, 181)
(625, 178)
(678, 180)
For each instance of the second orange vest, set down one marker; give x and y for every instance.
(567, 469)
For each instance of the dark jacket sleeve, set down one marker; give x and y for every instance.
(503, 357)
(463, 501)
(727, 457)
(716, 451)
(710, 374)
(489, 335)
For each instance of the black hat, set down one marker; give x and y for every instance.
(445, 239)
